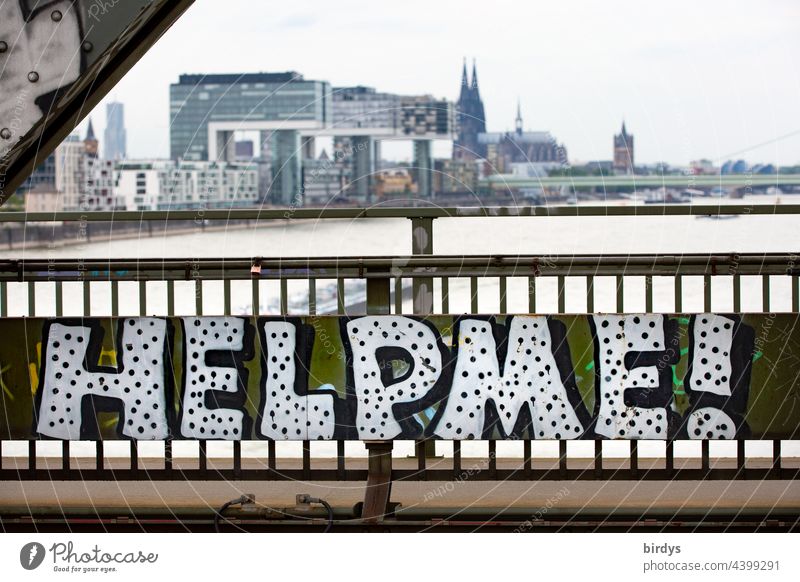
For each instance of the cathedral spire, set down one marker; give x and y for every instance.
(465, 90)
(518, 120)
(474, 77)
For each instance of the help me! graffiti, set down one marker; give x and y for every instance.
(475, 378)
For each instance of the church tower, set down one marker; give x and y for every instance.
(471, 118)
(623, 151)
(90, 144)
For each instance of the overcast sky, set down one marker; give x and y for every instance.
(696, 78)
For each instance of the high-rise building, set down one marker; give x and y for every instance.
(274, 101)
(471, 118)
(69, 161)
(623, 151)
(115, 135)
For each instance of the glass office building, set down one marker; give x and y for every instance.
(268, 101)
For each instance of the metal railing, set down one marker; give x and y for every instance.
(386, 280)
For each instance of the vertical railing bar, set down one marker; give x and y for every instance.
(562, 458)
(737, 293)
(740, 456)
(795, 293)
(420, 454)
(87, 298)
(492, 459)
(32, 298)
(705, 462)
(590, 294)
(634, 456)
(114, 298)
(134, 455)
(32, 455)
(168, 455)
(531, 294)
(99, 455)
(226, 294)
(340, 299)
(678, 293)
(4, 299)
(237, 459)
(765, 293)
(271, 457)
(256, 295)
(620, 294)
(445, 295)
(456, 456)
(306, 459)
(340, 460)
(527, 463)
(142, 297)
(503, 295)
(65, 456)
(473, 291)
(777, 460)
(203, 456)
(59, 298)
(398, 295)
(648, 294)
(562, 294)
(284, 297)
(312, 296)
(198, 296)
(669, 457)
(598, 459)
(170, 297)
(707, 293)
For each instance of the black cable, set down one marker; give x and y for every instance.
(330, 514)
(219, 512)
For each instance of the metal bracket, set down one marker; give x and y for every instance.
(379, 481)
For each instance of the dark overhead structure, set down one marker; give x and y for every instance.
(58, 59)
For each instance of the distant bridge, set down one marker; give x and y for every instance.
(504, 181)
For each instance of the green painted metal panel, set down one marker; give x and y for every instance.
(383, 377)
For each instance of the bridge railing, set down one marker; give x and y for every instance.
(422, 284)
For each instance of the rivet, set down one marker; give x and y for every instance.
(33, 76)
(5, 133)
(56, 15)
(3, 46)
(87, 47)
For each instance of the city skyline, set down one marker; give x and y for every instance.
(708, 99)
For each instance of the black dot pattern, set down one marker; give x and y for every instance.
(139, 385)
(374, 418)
(530, 378)
(616, 336)
(710, 423)
(711, 361)
(202, 335)
(288, 415)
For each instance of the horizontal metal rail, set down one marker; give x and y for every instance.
(479, 469)
(449, 519)
(402, 266)
(203, 214)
